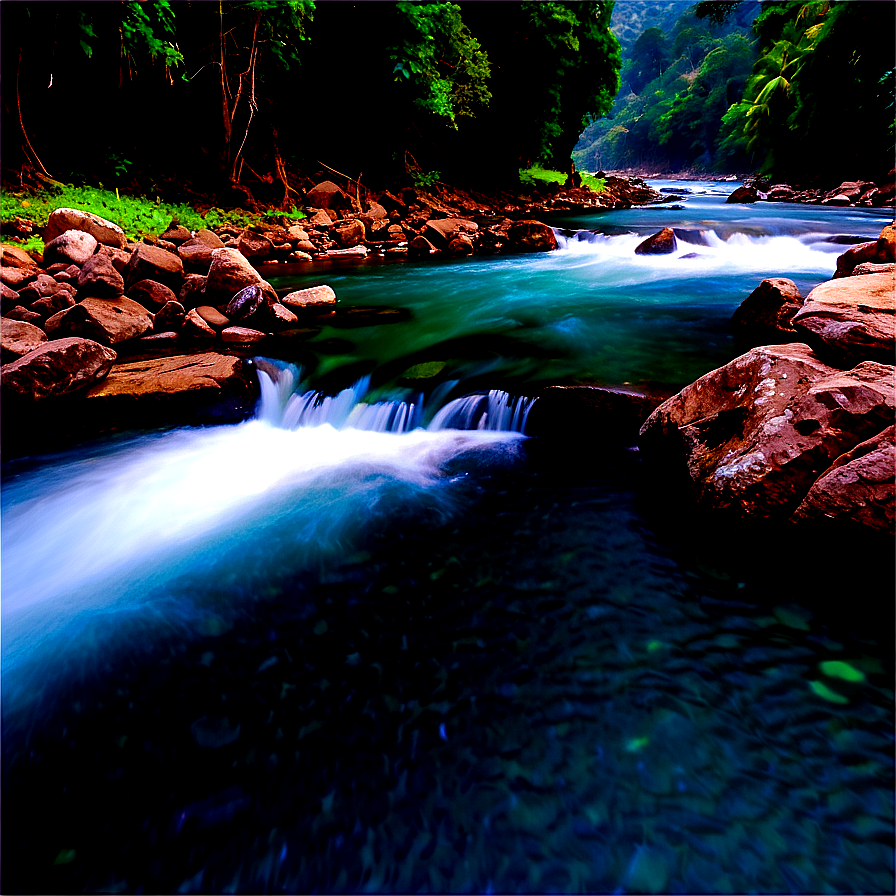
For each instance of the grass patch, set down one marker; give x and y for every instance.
(534, 174)
(137, 216)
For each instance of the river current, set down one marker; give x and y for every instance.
(377, 640)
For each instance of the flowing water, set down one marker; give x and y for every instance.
(377, 640)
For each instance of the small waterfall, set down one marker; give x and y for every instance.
(285, 405)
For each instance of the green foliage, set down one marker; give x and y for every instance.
(441, 63)
(422, 179)
(530, 176)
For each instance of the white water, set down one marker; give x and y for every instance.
(310, 472)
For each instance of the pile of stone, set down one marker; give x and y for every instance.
(853, 192)
(800, 428)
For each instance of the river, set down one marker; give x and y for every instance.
(377, 640)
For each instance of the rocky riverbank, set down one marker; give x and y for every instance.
(862, 193)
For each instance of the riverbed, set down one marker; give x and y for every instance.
(378, 640)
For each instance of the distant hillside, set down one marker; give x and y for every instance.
(632, 17)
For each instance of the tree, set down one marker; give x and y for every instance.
(650, 55)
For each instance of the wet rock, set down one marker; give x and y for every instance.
(755, 434)
(531, 236)
(229, 273)
(766, 314)
(212, 316)
(58, 367)
(100, 278)
(858, 487)
(860, 254)
(195, 327)
(313, 297)
(281, 316)
(107, 321)
(350, 252)
(249, 302)
(662, 243)
(153, 263)
(780, 193)
(743, 195)
(851, 318)
(461, 245)
(441, 231)
(151, 293)
(73, 246)
(17, 338)
(100, 229)
(242, 335)
(169, 317)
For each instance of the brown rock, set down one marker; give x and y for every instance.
(209, 238)
(313, 297)
(100, 229)
(868, 268)
(196, 256)
(52, 304)
(328, 195)
(212, 316)
(743, 195)
(169, 317)
(192, 293)
(755, 434)
(858, 486)
(440, 231)
(67, 274)
(176, 233)
(58, 367)
(281, 316)
(20, 312)
(861, 253)
(837, 200)
(195, 327)
(852, 318)
(17, 338)
(461, 245)
(531, 236)
(297, 233)
(319, 218)
(662, 243)
(14, 257)
(153, 263)
(767, 312)
(253, 245)
(242, 335)
(108, 321)
(119, 257)
(151, 293)
(230, 272)
(348, 233)
(886, 245)
(99, 277)
(420, 245)
(16, 277)
(41, 286)
(73, 246)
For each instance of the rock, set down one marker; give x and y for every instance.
(52, 304)
(40, 287)
(242, 335)
(230, 272)
(351, 252)
(780, 193)
(153, 263)
(99, 277)
(837, 200)
(73, 246)
(869, 268)
(420, 245)
(20, 312)
(743, 195)
(192, 293)
(531, 236)
(16, 277)
(169, 317)
(209, 238)
(108, 321)
(205, 387)
(392, 203)
(17, 338)
(58, 367)
(151, 293)
(249, 302)
(441, 231)
(859, 254)
(313, 297)
(328, 195)
(319, 218)
(348, 233)
(177, 234)
(755, 434)
(886, 245)
(858, 486)
(100, 229)
(852, 319)
(195, 327)
(302, 254)
(253, 245)
(212, 316)
(461, 245)
(662, 243)
(14, 257)
(281, 316)
(119, 257)
(196, 256)
(767, 312)
(297, 234)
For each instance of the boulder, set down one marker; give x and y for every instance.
(743, 195)
(313, 297)
(851, 319)
(420, 245)
(858, 487)
(17, 277)
(17, 338)
(329, 195)
(52, 304)
(169, 317)
(242, 335)
(196, 327)
(208, 238)
(253, 245)
(755, 434)
(9, 297)
(40, 287)
(119, 257)
(100, 278)
(348, 233)
(461, 245)
(441, 231)
(297, 234)
(192, 293)
(230, 272)
(886, 245)
(108, 321)
(281, 316)
(780, 193)
(14, 257)
(212, 316)
(767, 312)
(662, 243)
(319, 219)
(20, 312)
(196, 255)
(176, 233)
(58, 367)
(867, 267)
(100, 229)
(73, 246)
(154, 263)
(862, 253)
(151, 293)
(250, 302)
(531, 236)
(840, 199)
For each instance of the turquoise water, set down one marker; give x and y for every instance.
(331, 650)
